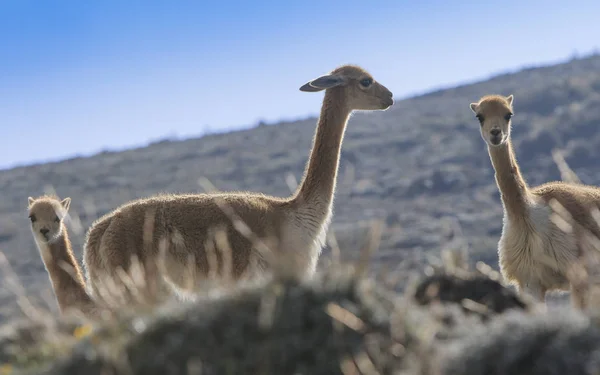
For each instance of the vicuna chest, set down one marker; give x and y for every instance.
(534, 246)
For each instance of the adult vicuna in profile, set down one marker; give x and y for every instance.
(546, 228)
(47, 214)
(180, 227)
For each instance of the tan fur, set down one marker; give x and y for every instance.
(47, 215)
(535, 251)
(186, 225)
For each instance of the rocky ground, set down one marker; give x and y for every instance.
(421, 167)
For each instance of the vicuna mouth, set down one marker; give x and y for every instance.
(388, 103)
(496, 139)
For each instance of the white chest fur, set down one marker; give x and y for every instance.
(302, 242)
(534, 252)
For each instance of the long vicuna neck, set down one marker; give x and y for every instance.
(65, 274)
(317, 188)
(512, 185)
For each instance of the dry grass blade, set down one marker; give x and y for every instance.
(455, 262)
(455, 238)
(163, 245)
(560, 216)
(566, 173)
(47, 295)
(49, 190)
(129, 285)
(69, 269)
(401, 275)
(137, 274)
(471, 305)
(226, 255)
(266, 313)
(238, 224)
(335, 247)
(348, 367)
(370, 247)
(365, 365)
(346, 317)
(190, 273)
(291, 182)
(488, 271)
(110, 293)
(74, 221)
(211, 256)
(12, 282)
(148, 228)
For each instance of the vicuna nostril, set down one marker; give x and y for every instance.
(495, 132)
(44, 231)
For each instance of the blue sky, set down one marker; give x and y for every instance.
(77, 77)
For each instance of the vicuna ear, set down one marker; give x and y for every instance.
(30, 200)
(66, 203)
(322, 83)
(509, 99)
(473, 107)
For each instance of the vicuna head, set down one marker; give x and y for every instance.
(361, 91)
(46, 215)
(494, 113)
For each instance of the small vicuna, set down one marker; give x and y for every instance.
(47, 215)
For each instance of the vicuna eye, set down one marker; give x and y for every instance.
(366, 82)
(56, 219)
(32, 218)
(508, 116)
(480, 118)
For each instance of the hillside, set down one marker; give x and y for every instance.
(414, 166)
